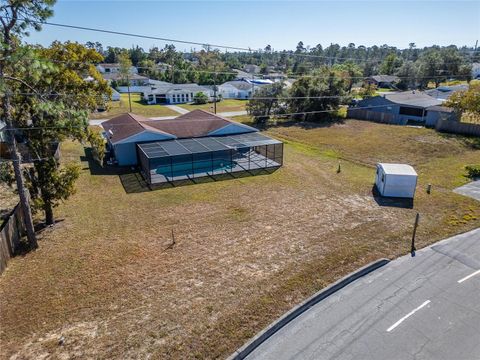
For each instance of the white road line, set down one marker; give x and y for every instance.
(469, 276)
(407, 316)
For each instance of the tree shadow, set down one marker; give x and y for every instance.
(96, 169)
(404, 203)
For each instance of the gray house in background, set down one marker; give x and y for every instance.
(383, 81)
(405, 108)
(444, 92)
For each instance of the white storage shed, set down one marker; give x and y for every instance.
(396, 180)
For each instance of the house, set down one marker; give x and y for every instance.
(476, 71)
(115, 95)
(133, 79)
(383, 81)
(238, 89)
(174, 93)
(113, 68)
(396, 180)
(162, 67)
(403, 108)
(196, 144)
(275, 76)
(444, 92)
(251, 69)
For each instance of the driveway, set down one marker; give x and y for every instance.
(472, 190)
(177, 109)
(422, 307)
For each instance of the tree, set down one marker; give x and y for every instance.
(17, 17)
(319, 95)
(265, 102)
(125, 69)
(58, 110)
(390, 65)
(200, 98)
(350, 72)
(466, 102)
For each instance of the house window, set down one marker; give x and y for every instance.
(412, 111)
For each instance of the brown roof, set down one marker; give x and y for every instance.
(196, 123)
(126, 125)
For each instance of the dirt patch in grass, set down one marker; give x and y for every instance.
(110, 284)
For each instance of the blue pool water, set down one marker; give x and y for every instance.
(198, 167)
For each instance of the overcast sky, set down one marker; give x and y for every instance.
(281, 24)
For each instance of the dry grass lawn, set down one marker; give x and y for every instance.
(122, 106)
(222, 106)
(247, 250)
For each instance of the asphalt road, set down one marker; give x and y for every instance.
(472, 190)
(425, 307)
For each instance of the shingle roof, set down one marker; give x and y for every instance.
(444, 92)
(239, 84)
(126, 125)
(385, 78)
(165, 88)
(196, 123)
(118, 76)
(412, 98)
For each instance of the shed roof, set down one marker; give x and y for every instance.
(159, 149)
(397, 169)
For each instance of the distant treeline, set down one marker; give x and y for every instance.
(415, 66)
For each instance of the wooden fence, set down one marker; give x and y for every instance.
(10, 234)
(376, 116)
(455, 127)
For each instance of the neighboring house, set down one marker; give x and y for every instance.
(195, 144)
(252, 69)
(161, 66)
(238, 89)
(174, 93)
(383, 81)
(444, 92)
(275, 76)
(113, 68)
(133, 79)
(476, 70)
(115, 95)
(409, 107)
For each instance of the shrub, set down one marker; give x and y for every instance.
(473, 171)
(200, 98)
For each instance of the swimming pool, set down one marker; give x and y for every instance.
(183, 169)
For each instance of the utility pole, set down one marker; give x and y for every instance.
(129, 98)
(16, 156)
(215, 89)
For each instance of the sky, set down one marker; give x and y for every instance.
(254, 24)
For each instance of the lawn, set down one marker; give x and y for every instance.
(222, 106)
(108, 281)
(120, 107)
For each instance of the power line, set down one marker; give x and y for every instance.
(205, 44)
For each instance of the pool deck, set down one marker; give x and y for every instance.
(256, 162)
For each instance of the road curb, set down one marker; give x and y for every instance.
(271, 329)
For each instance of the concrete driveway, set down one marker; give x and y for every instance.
(425, 307)
(472, 190)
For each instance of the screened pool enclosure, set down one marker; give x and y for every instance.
(187, 159)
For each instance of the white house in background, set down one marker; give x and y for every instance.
(396, 180)
(476, 70)
(115, 95)
(113, 68)
(251, 69)
(238, 89)
(161, 66)
(174, 93)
